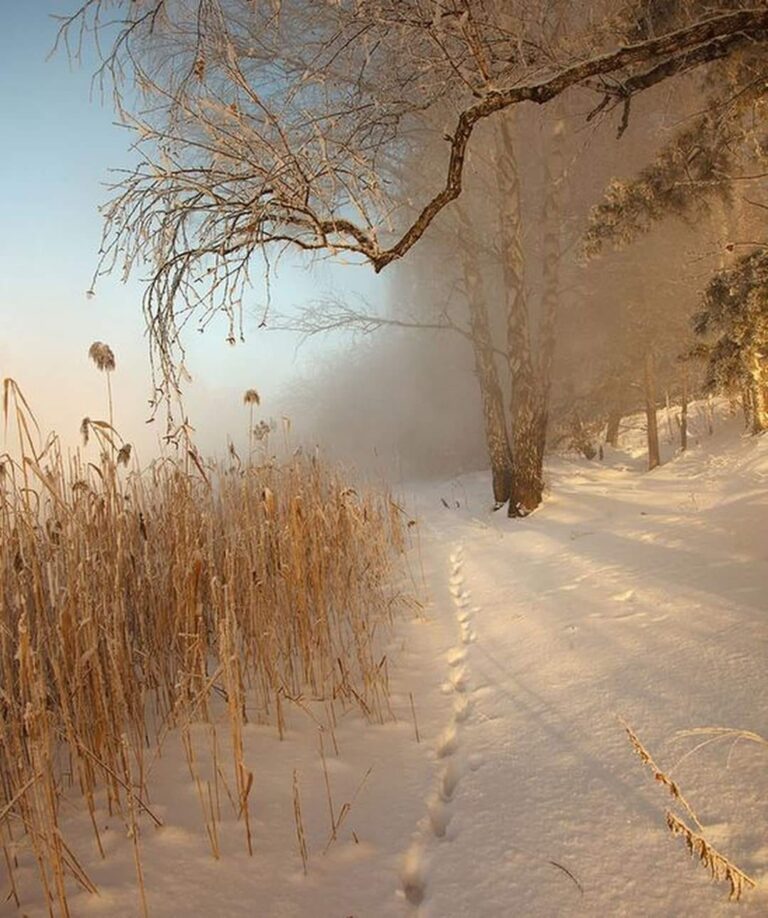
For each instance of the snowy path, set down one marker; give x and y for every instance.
(644, 597)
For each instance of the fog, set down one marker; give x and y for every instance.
(45, 350)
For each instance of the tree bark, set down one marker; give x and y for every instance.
(758, 396)
(758, 405)
(654, 457)
(527, 481)
(553, 178)
(497, 440)
(746, 404)
(763, 408)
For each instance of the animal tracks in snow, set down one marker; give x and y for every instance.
(452, 757)
(414, 875)
(461, 709)
(460, 679)
(449, 742)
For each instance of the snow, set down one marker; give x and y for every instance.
(629, 595)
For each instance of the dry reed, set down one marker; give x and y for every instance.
(301, 836)
(718, 865)
(130, 599)
(103, 356)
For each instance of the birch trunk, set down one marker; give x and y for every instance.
(746, 404)
(550, 297)
(684, 409)
(497, 441)
(654, 456)
(527, 483)
(758, 396)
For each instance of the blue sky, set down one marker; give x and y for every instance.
(56, 149)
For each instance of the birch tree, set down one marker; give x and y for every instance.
(272, 124)
(497, 438)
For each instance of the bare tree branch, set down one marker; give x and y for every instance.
(714, 38)
(277, 123)
(332, 315)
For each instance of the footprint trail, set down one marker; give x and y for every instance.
(453, 759)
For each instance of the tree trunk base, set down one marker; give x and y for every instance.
(524, 501)
(502, 486)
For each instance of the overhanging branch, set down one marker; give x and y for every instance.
(689, 47)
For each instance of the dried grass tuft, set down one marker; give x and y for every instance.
(301, 836)
(660, 776)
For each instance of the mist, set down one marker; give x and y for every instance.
(56, 174)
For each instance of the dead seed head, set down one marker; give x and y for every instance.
(251, 397)
(718, 865)
(102, 355)
(261, 430)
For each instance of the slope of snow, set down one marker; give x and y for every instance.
(629, 594)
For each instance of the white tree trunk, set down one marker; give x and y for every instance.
(497, 441)
(654, 455)
(527, 483)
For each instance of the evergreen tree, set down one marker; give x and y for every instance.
(735, 311)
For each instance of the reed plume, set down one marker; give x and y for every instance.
(250, 398)
(103, 356)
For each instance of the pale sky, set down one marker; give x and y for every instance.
(56, 148)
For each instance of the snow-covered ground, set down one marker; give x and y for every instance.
(634, 595)
(629, 594)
